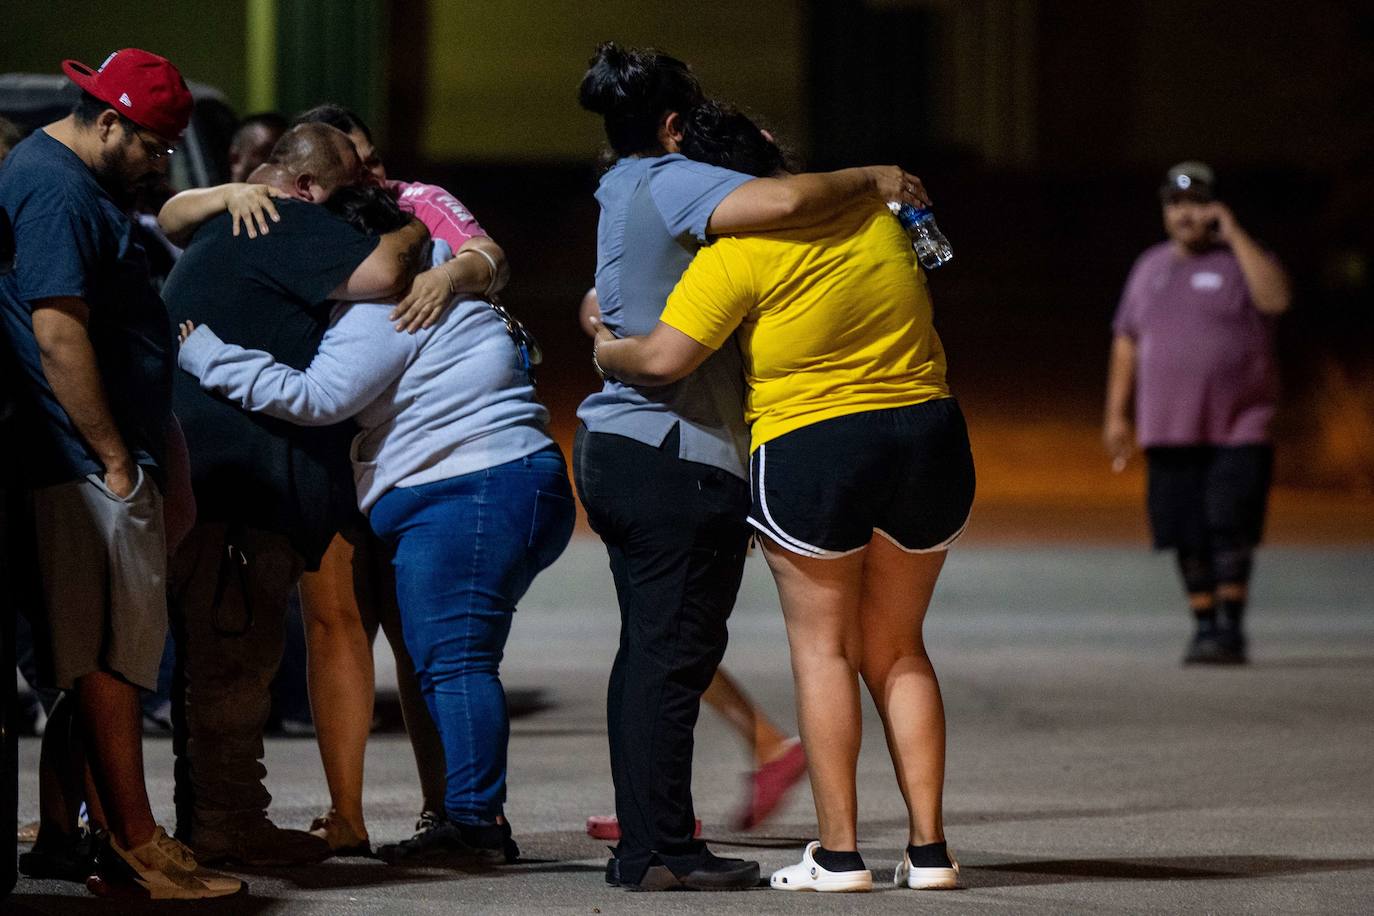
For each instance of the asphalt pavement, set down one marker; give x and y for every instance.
(1088, 770)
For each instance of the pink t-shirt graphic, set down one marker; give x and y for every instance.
(443, 214)
(1205, 355)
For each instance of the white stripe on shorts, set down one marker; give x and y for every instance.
(770, 527)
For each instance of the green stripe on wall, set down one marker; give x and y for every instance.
(261, 48)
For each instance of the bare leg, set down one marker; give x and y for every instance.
(765, 741)
(896, 595)
(1231, 591)
(820, 603)
(111, 722)
(341, 679)
(1202, 602)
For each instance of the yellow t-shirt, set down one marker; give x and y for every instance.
(833, 319)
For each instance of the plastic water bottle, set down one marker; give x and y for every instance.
(931, 247)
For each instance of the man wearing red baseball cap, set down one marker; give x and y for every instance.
(96, 356)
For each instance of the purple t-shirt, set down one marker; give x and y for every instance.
(1205, 355)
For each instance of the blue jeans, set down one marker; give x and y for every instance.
(467, 548)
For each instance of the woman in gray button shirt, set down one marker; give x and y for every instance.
(662, 472)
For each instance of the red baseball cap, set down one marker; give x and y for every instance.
(140, 85)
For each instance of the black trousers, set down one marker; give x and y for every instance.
(1202, 498)
(676, 535)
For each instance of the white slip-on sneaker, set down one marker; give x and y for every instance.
(926, 879)
(161, 869)
(806, 875)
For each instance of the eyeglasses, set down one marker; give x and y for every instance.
(528, 347)
(154, 149)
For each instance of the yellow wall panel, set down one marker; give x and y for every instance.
(504, 73)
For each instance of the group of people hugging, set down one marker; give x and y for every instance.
(771, 373)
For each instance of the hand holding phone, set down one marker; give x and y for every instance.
(1221, 222)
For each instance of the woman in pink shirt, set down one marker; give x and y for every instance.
(354, 591)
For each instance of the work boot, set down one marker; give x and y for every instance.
(257, 843)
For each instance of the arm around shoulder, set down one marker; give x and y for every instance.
(183, 213)
(793, 201)
(388, 271)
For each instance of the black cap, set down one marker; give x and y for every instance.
(1191, 179)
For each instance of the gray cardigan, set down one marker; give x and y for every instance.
(436, 404)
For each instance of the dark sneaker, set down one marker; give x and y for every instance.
(447, 841)
(713, 873)
(260, 844)
(160, 869)
(1209, 648)
(428, 820)
(1233, 643)
(70, 859)
(613, 871)
(492, 844)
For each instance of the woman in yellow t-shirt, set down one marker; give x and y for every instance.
(861, 478)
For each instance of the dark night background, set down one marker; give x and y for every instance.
(1041, 127)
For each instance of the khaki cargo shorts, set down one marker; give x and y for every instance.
(103, 564)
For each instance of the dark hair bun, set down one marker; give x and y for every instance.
(612, 75)
(632, 89)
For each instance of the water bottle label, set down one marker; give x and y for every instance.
(908, 215)
(931, 246)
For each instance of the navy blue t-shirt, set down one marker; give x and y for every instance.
(72, 240)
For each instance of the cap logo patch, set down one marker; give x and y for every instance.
(124, 100)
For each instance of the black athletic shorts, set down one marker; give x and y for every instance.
(904, 472)
(1203, 496)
